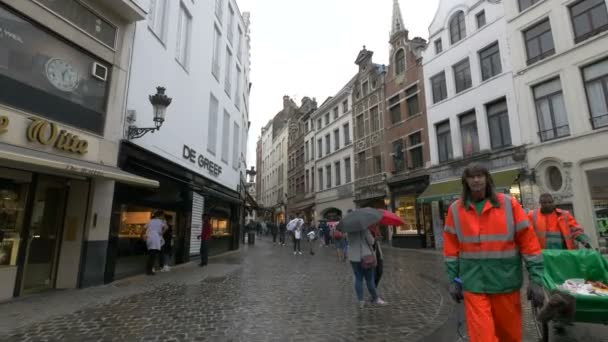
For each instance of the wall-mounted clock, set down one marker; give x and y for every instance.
(61, 74)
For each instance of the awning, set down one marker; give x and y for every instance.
(451, 190)
(26, 156)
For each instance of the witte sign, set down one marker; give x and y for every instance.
(199, 159)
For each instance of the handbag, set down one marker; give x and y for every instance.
(369, 261)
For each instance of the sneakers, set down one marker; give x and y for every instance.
(361, 304)
(166, 268)
(379, 301)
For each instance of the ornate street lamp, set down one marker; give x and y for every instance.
(160, 101)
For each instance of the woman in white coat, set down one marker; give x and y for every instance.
(154, 238)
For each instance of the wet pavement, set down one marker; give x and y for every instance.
(262, 293)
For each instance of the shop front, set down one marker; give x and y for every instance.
(437, 198)
(417, 231)
(598, 186)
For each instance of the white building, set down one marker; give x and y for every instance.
(559, 51)
(471, 107)
(63, 75)
(198, 51)
(333, 153)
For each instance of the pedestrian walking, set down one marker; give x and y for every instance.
(166, 250)
(274, 230)
(282, 232)
(297, 239)
(340, 239)
(375, 230)
(311, 240)
(556, 228)
(361, 256)
(205, 237)
(324, 228)
(486, 236)
(153, 233)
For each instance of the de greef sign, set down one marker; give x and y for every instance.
(204, 163)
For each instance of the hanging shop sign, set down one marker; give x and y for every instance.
(199, 159)
(48, 134)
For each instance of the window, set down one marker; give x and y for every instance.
(481, 19)
(237, 92)
(398, 156)
(400, 62)
(157, 18)
(319, 123)
(412, 100)
(215, 68)
(498, 123)
(361, 164)
(346, 129)
(377, 164)
(327, 144)
(365, 88)
(347, 171)
(183, 36)
(320, 178)
(328, 175)
(212, 125)
(307, 184)
(444, 141)
(375, 118)
(439, 88)
(415, 150)
(469, 134)
(462, 75)
(219, 9)
(523, 4)
(319, 148)
(539, 41)
(228, 78)
(596, 85)
(230, 23)
(550, 110)
(457, 28)
(338, 175)
(438, 46)
(235, 145)
(326, 119)
(589, 17)
(490, 61)
(225, 137)
(239, 44)
(345, 106)
(360, 127)
(336, 139)
(336, 113)
(306, 151)
(395, 109)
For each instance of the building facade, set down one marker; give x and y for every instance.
(406, 136)
(334, 156)
(298, 204)
(471, 108)
(368, 123)
(199, 52)
(560, 65)
(63, 74)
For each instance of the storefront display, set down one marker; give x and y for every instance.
(220, 227)
(600, 209)
(406, 209)
(13, 194)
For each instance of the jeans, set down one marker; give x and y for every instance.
(296, 245)
(368, 274)
(204, 252)
(152, 256)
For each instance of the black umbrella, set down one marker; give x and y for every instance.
(359, 219)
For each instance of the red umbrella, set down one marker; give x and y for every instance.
(390, 218)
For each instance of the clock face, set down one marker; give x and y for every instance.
(61, 74)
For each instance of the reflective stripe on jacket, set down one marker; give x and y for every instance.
(566, 232)
(485, 250)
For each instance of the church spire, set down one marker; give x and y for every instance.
(397, 25)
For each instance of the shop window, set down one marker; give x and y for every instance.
(220, 227)
(13, 197)
(36, 65)
(406, 209)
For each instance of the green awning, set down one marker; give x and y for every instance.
(447, 191)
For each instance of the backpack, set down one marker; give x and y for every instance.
(338, 235)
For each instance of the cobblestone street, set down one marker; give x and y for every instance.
(263, 293)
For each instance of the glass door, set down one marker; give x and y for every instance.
(44, 234)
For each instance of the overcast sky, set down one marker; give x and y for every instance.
(308, 47)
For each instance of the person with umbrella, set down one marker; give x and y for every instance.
(361, 253)
(295, 226)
